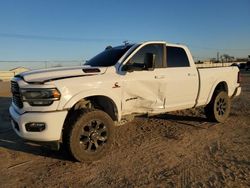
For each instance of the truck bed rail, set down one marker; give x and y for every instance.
(211, 65)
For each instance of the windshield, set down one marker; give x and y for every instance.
(108, 57)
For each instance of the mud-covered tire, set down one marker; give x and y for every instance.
(88, 135)
(219, 107)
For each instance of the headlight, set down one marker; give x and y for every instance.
(40, 97)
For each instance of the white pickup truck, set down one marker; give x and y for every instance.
(80, 106)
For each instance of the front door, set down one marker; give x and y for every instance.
(141, 88)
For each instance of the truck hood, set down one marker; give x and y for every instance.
(46, 75)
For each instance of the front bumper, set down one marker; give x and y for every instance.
(54, 123)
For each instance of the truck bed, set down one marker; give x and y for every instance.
(210, 77)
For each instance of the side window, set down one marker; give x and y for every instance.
(157, 49)
(177, 57)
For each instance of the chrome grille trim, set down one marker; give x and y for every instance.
(16, 96)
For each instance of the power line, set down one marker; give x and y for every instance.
(219, 49)
(80, 39)
(55, 38)
(40, 61)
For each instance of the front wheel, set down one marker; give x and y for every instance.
(219, 107)
(90, 135)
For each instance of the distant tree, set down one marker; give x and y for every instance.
(213, 60)
(226, 58)
(199, 62)
(241, 59)
(232, 58)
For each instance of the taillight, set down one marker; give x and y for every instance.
(239, 78)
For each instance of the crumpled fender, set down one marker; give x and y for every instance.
(106, 93)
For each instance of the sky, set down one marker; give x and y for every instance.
(78, 30)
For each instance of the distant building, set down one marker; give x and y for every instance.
(207, 62)
(7, 75)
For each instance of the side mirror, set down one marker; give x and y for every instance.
(149, 61)
(128, 68)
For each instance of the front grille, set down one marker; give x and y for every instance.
(16, 95)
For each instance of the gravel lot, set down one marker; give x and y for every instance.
(179, 149)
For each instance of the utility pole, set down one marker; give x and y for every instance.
(218, 56)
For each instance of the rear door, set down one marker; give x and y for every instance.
(181, 79)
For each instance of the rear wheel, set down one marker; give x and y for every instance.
(219, 107)
(90, 135)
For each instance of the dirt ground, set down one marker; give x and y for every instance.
(179, 149)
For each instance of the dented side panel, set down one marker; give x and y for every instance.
(161, 90)
(142, 93)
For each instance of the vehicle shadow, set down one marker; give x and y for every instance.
(198, 121)
(16, 144)
(9, 139)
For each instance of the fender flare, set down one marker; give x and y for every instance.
(84, 94)
(216, 83)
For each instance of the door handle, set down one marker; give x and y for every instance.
(160, 77)
(191, 74)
